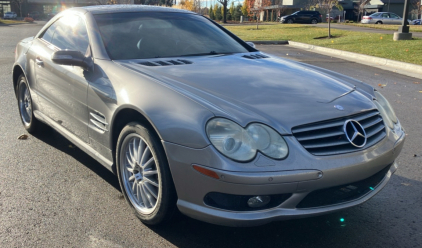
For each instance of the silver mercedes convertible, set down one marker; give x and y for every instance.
(190, 117)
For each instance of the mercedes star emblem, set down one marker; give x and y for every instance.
(355, 133)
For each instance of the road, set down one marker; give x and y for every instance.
(54, 195)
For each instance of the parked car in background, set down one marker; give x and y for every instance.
(172, 103)
(51, 15)
(302, 17)
(10, 15)
(34, 15)
(382, 18)
(416, 22)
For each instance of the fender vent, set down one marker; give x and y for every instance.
(167, 62)
(99, 121)
(256, 56)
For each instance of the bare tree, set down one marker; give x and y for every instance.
(224, 3)
(416, 8)
(360, 8)
(328, 6)
(18, 4)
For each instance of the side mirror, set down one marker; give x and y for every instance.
(251, 44)
(75, 58)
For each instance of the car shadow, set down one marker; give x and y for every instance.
(56, 140)
(395, 212)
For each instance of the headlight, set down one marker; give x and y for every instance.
(242, 144)
(386, 110)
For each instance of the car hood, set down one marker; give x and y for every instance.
(278, 92)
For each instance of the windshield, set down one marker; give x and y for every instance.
(142, 35)
(375, 14)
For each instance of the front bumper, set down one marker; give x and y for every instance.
(299, 174)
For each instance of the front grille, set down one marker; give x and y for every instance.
(328, 138)
(343, 193)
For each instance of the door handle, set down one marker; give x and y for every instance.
(39, 61)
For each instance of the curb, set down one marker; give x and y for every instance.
(269, 42)
(385, 64)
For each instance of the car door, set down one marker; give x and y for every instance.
(62, 89)
(395, 19)
(385, 18)
(300, 17)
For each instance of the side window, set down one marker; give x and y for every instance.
(48, 34)
(394, 16)
(385, 15)
(71, 34)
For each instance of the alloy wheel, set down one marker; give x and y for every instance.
(140, 174)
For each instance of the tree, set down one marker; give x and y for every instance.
(360, 8)
(224, 12)
(18, 4)
(219, 14)
(237, 12)
(188, 5)
(256, 7)
(245, 8)
(328, 5)
(211, 13)
(232, 10)
(416, 8)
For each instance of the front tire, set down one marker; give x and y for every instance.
(290, 21)
(144, 175)
(25, 105)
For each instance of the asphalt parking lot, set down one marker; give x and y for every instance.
(54, 195)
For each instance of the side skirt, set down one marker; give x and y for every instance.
(75, 140)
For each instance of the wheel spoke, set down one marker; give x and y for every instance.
(150, 198)
(129, 160)
(147, 180)
(151, 191)
(140, 151)
(138, 193)
(142, 193)
(150, 172)
(132, 178)
(148, 163)
(145, 155)
(132, 150)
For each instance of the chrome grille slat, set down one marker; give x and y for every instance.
(327, 144)
(328, 138)
(375, 131)
(319, 136)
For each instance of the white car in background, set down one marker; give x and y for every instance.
(10, 15)
(382, 18)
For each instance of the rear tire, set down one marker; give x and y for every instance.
(30, 123)
(144, 175)
(378, 22)
(314, 21)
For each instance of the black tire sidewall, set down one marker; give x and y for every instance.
(31, 127)
(166, 204)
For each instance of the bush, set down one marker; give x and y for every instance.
(28, 19)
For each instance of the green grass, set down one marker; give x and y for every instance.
(379, 45)
(11, 22)
(413, 28)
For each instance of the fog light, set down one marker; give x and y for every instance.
(258, 201)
